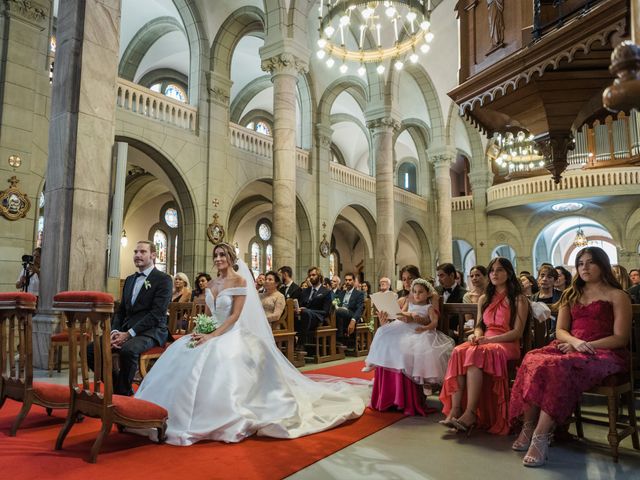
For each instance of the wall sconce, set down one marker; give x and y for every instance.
(123, 239)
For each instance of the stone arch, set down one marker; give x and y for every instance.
(256, 113)
(368, 218)
(243, 21)
(356, 87)
(142, 41)
(477, 152)
(161, 74)
(245, 95)
(184, 198)
(426, 263)
(420, 134)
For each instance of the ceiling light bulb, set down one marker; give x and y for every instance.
(343, 68)
(329, 31)
(322, 42)
(345, 20)
(424, 48)
(398, 65)
(380, 69)
(411, 16)
(424, 25)
(320, 54)
(367, 13)
(362, 71)
(390, 11)
(330, 62)
(429, 37)
(414, 58)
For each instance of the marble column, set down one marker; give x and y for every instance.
(81, 133)
(284, 69)
(480, 182)
(117, 217)
(382, 130)
(442, 160)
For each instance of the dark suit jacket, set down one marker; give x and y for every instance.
(455, 296)
(355, 305)
(634, 293)
(320, 303)
(148, 316)
(294, 291)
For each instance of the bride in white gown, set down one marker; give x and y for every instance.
(236, 383)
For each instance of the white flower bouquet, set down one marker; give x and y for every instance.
(203, 324)
(371, 326)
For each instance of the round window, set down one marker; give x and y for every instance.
(171, 217)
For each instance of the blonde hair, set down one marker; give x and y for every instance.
(229, 251)
(184, 278)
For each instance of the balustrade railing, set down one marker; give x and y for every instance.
(462, 203)
(410, 199)
(138, 99)
(352, 178)
(550, 15)
(611, 177)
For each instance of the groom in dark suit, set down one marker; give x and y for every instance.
(450, 291)
(141, 321)
(351, 306)
(315, 303)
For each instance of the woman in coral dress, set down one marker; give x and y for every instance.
(476, 385)
(594, 324)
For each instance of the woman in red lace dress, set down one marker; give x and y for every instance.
(592, 333)
(476, 378)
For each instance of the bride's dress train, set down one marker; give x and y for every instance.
(239, 384)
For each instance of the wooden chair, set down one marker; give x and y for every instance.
(324, 346)
(178, 313)
(16, 310)
(93, 397)
(285, 335)
(448, 310)
(615, 387)
(363, 336)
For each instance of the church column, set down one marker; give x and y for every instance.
(442, 160)
(480, 182)
(322, 173)
(284, 69)
(382, 130)
(81, 132)
(117, 220)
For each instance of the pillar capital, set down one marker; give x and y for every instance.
(480, 179)
(219, 88)
(35, 13)
(284, 58)
(387, 123)
(323, 135)
(442, 156)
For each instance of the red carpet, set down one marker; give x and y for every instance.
(30, 454)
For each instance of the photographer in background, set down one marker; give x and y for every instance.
(29, 278)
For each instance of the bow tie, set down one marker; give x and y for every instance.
(449, 290)
(140, 274)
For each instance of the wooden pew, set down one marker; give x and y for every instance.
(285, 335)
(324, 348)
(447, 310)
(363, 336)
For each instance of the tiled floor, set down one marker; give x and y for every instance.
(420, 448)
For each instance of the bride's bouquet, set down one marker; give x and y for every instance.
(203, 324)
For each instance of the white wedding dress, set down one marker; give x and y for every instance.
(239, 384)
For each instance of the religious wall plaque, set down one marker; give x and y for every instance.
(13, 203)
(215, 231)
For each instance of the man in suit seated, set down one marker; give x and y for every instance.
(141, 321)
(350, 308)
(449, 290)
(335, 286)
(288, 288)
(315, 303)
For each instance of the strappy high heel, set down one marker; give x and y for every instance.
(540, 443)
(448, 422)
(463, 427)
(524, 439)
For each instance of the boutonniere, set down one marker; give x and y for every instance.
(147, 284)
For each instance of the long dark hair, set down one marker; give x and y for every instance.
(568, 278)
(514, 290)
(572, 294)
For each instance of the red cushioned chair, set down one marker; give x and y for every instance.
(17, 383)
(89, 313)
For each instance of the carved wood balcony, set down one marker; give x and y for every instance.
(550, 85)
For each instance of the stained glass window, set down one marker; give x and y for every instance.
(40, 231)
(332, 265)
(171, 217)
(255, 259)
(262, 127)
(264, 231)
(175, 256)
(175, 92)
(160, 241)
(407, 177)
(269, 259)
(156, 87)
(52, 44)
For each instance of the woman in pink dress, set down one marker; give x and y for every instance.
(476, 385)
(592, 334)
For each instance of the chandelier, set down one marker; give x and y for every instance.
(517, 153)
(372, 32)
(581, 239)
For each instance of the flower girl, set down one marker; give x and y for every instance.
(409, 353)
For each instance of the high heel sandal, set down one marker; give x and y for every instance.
(463, 427)
(522, 444)
(448, 422)
(540, 443)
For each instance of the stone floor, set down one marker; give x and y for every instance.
(419, 448)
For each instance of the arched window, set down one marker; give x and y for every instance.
(171, 90)
(407, 177)
(167, 230)
(260, 126)
(261, 248)
(332, 264)
(161, 243)
(40, 225)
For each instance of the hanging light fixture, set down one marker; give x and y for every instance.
(123, 238)
(517, 153)
(382, 30)
(581, 239)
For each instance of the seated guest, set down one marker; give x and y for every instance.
(449, 290)
(478, 278)
(478, 367)
(260, 283)
(198, 293)
(365, 287)
(408, 274)
(314, 306)
(460, 279)
(272, 300)
(181, 288)
(564, 278)
(288, 287)
(349, 308)
(384, 284)
(592, 335)
(335, 286)
(529, 285)
(621, 275)
(547, 276)
(409, 353)
(634, 276)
